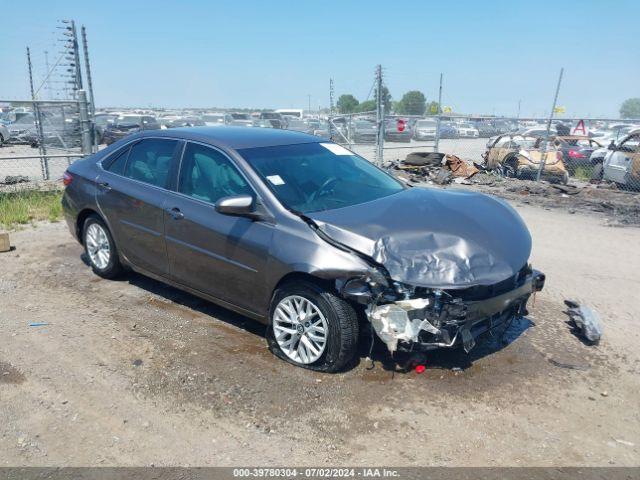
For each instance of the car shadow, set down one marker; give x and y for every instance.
(181, 298)
(371, 349)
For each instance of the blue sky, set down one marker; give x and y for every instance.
(274, 53)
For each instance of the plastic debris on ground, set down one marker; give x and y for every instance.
(586, 320)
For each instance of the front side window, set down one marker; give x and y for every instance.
(150, 161)
(312, 177)
(208, 175)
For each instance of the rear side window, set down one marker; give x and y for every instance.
(150, 161)
(118, 163)
(208, 175)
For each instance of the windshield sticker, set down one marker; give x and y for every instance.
(275, 179)
(336, 149)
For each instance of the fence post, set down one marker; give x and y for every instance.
(436, 143)
(330, 118)
(379, 118)
(85, 123)
(543, 150)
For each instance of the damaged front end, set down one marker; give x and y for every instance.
(419, 318)
(444, 266)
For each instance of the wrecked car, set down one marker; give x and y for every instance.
(303, 235)
(621, 164)
(519, 156)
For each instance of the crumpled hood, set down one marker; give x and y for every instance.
(434, 238)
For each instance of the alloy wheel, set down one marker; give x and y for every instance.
(300, 329)
(98, 246)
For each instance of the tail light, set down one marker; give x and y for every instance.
(576, 154)
(67, 178)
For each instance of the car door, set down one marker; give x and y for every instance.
(220, 255)
(131, 193)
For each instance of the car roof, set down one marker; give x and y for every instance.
(236, 137)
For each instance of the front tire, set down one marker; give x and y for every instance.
(312, 327)
(100, 248)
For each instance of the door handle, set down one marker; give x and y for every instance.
(104, 186)
(175, 213)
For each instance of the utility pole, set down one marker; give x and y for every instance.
(330, 119)
(309, 98)
(76, 53)
(518, 117)
(47, 85)
(85, 123)
(92, 104)
(379, 117)
(436, 143)
(44, 163)
(543, 150)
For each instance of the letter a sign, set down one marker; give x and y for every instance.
(579, 129)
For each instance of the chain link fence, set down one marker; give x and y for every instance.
(40, 139)
(587, 150)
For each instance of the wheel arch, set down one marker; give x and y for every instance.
(81, 218)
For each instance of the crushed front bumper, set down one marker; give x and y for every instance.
(443, 320)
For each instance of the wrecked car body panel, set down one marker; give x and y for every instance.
(520, 156)
(455, 265)
(443, 320)
(435, 238)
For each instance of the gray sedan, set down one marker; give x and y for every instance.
(303, 235)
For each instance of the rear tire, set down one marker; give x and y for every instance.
(100, 248)
(338, 317)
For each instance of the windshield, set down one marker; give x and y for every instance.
(426, 123)
(312, 177)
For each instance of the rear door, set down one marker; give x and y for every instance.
(131, 195)
(221, 255)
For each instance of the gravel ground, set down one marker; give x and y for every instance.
(133, 372)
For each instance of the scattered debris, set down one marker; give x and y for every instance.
(624, 442)
(586, 320)
(436, 167)
(137, 362)
(420, 368)
(14, 179)
(38, 324)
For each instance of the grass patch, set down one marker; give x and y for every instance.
(20, 208)
(583, 173)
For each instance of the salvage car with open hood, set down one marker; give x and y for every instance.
(304, 236)
(519, 156)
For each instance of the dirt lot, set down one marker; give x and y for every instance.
(132, 372)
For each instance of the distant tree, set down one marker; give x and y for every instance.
(630, 108)
(366, 106)
(347, 103)
(412, 103)
(386, 100)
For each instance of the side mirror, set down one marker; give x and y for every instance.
(612, 145)
(238, 205)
